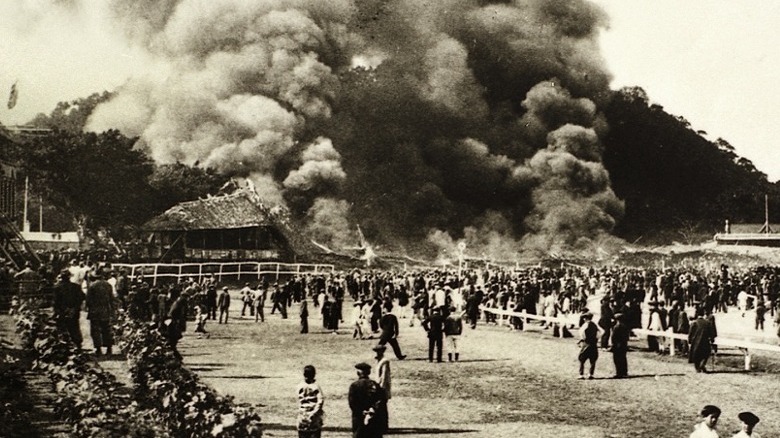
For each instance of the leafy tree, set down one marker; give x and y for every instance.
(100, 178)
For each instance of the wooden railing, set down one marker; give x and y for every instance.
(234, 270)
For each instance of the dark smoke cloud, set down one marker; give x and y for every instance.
(451, 120)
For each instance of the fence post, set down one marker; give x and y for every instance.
(277, 271)
(747, 359)
(219, 275)
(154, 282)
(239, 271)
(258, 270)
(671, 345)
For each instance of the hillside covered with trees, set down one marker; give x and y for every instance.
(674, 181)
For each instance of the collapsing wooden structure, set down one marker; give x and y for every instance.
(234, 226)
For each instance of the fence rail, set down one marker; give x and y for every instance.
(743, 345)
(234, 270)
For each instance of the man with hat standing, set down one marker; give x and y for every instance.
(588, 342)
(67, 307)
(620, 336)
(366, 399)
(382, 367)
(749, 421)
(223, 302)
(434, 325)
(100, 308)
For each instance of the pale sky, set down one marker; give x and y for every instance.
(715, 62)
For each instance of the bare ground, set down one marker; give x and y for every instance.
(507, 383)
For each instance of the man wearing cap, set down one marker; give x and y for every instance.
(749, 421)
(620, 336)
(706, 428)
(388, 323)
(100, 309)
(366, 399)
(382, 367)
(453, 328)
(434, 325)
(588, 342)
(700, 338)
(67, 306)
(223, 302)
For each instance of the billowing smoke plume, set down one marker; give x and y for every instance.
(475, 120)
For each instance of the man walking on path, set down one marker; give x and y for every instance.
(67, 307)
(100, 309)
(389, 326)
(434, 325)
(223, 302)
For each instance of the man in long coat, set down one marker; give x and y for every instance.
(700, 338)
(366, 401)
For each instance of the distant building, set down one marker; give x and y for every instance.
(52, 241)
(235, 226)
(749, 234)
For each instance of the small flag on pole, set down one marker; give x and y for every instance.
(13, 96)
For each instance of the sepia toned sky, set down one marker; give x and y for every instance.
(715, 62)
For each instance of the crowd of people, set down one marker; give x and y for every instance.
(682, 301)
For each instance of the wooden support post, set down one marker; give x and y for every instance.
(747, 359)
(154, 282)
(671, 347)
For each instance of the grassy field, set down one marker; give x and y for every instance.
(507, 384)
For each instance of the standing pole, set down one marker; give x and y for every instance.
(25, 226)
(766, 214)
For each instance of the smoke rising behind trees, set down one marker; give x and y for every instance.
(476, 120)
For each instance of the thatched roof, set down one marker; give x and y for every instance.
(240, 209)
(243, 208)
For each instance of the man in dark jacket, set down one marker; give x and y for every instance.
(177, 322)
(700, 339)
(434, 325)
(388, 323)
(620, 336)
(367, 401)
(100, 309)
(67, 307)
(211, 302)
(223, 302)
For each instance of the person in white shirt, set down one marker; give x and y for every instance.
(749, 421)
(706, 428)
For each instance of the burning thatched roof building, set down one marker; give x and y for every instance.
(234, 226)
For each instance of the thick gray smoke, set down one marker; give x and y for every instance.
(472, 120)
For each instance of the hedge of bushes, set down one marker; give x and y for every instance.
(166, 400)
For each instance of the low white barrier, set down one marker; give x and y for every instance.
(562, 322)
(220, 270)
(744, 345)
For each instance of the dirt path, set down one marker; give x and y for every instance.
(507, 383)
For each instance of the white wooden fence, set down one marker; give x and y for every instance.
(743, 345)
(234, 270)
